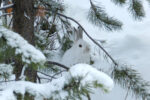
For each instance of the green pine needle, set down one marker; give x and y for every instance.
(120, 2)
(130, 79)
(98, 17)
(136, 9)
(148, 1)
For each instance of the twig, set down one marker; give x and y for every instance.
(10, 22)
(88, 96)
(5, 14)
(45, 78)
(7, 6)
(58, 73)
(126, 94)
(39, 79)
(46, 74)
(8, 81)
(58, 64)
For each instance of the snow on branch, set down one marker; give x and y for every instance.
(5, 71)
(29, 53)
(91, 74)
(47, 90)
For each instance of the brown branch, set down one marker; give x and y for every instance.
(58, 73)
(5, 14)
(58, 64)
(88, 96)
(44, 78)
(46, 74)
(8, 81)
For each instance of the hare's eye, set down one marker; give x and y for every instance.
(80, 45)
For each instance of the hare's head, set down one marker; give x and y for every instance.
(79, 52)
(79, 44)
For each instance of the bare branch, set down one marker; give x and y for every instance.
(7, 6)
(46, 74)
(5, 14)
(8, 81)
(58, 64)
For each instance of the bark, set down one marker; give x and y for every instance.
(0, 2)
(23, 23)
(23, 19)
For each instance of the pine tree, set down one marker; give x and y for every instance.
(40, 22)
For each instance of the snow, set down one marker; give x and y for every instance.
(22, 76)
(91, 74)
(25, 14)
(40, 91)
(29, 53)
(46, 90)
(5, 69)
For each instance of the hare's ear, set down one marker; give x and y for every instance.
(80, 33)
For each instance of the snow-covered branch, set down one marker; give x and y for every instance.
(29, 53)
(41, 91)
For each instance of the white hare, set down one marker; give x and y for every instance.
(79, 52)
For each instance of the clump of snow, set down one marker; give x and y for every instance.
(29, 53)
(91, 74)
(5, 70)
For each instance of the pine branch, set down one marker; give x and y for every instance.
(136, 9)
(148, 1)
(98, 17)
(120, 2)
(53, 5)
(130, 79)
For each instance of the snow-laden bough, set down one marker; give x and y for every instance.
(91, 74)
(29, 53)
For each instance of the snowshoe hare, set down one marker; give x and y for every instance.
(79, 52)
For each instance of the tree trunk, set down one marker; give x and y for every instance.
(0, 2)
(23, 23)
(23, 19)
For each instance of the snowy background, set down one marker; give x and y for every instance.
(130, 45)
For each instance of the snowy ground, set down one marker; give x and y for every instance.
(131, 45)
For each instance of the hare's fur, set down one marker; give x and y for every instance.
(78, 53)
